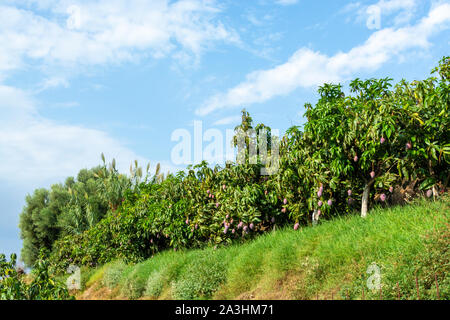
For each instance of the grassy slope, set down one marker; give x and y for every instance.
(326, 261)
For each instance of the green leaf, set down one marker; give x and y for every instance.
(427, 183)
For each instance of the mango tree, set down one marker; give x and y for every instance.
(374, 138)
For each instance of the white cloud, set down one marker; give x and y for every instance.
(227, 120)
(36, 33)
(34, 149)
(286, 2)
(308, 68)
(402, 10)
(391, 5)
(52, 82)
(254, 20)
(106, 31)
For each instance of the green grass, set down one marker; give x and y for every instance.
(329, 259)
(88, 276)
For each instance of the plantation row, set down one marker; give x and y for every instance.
(378, 145)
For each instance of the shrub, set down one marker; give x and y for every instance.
(113, 274)
(13, 286)
(201, 278)
(337, 150)
(134, 284)
(155, 284)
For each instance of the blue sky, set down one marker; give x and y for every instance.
(78, 78)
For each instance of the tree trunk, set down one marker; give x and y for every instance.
(314, 217)
(365, 200)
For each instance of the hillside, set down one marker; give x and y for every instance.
(328, 261)
(287, 222)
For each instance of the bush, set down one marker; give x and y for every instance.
(380, 143)
(42, 286)
(155, 284)
(201, 278)
(113, 274)
(134, 284)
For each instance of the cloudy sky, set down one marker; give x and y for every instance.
(78, 78)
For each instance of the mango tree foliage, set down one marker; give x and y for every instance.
(368, 142)
(41, 286)
(353, 151)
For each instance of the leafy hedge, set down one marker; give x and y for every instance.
(203, 207)
(371, 146)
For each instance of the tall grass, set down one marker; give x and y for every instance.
(329, 259)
